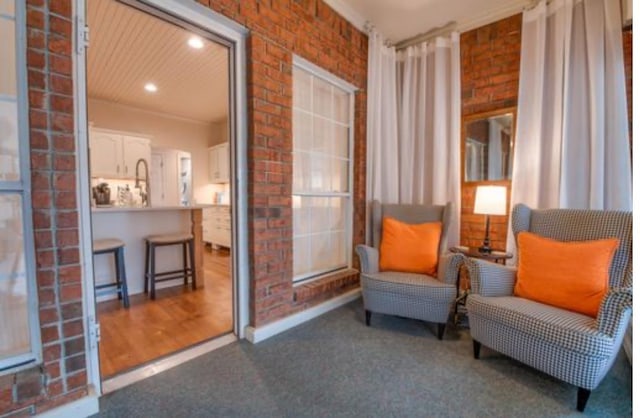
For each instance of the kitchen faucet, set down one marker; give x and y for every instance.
(146, 198)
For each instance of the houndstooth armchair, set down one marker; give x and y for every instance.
(409, 295)
(570, 346)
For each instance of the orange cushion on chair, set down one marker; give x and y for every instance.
(571, 275)
(411, 248)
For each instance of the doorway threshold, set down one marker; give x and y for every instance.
(128, 378)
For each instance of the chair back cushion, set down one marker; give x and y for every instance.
(409, 248)
(569, 275)
(582, 225)
(410, 214)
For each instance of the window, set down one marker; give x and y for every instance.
(322, 171)
(19, 333)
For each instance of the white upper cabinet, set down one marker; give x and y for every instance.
(134, 149)
(219, 163)
(114, 155)
(106, 154)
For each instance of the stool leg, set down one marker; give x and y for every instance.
(146, 266)
(185, 269)
(152, 270)
(192, 261)
(123, 290)
(116, 256)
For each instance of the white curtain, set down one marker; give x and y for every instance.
(572, 139)
(382, 126)
(413, 128)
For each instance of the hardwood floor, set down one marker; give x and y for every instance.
(177, 319)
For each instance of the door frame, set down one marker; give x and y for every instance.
(235, 34)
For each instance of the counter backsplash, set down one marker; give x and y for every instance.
(123, 192)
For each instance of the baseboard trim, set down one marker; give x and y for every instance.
(141, 373)
(83, 407)
(256, 335)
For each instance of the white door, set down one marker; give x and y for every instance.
(157, 180)
(213, 165)
(134, 149)
(105, 154)
(223, 163)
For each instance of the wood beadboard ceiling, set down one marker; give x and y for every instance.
(129, 48)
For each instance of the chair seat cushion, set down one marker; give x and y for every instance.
(410, 284)
(560, 327)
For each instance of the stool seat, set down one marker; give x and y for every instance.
(167, 238)
(188, 270)
(108, 244)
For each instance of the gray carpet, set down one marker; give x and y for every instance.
(334, 366)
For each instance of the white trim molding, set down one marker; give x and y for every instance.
(83, 407)
(493, 15)
(349, 13)
(256, 335)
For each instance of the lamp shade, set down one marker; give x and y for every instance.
(491, 200)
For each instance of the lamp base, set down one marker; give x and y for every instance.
(485, 249)
(486, 244)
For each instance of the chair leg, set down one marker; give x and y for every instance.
(367, 317)
(124, 289)
(152, 271)
(583, 397)
(441, 328)
(192, 262)
(476, 349)
(185, 269)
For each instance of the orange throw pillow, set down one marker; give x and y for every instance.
(410, 248)
(571, 275)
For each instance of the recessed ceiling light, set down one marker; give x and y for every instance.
(195, 42)
(150, 87)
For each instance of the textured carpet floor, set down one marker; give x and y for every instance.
(334, 366)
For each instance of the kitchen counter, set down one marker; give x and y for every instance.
(150, 209)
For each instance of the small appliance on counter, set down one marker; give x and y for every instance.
(102, 195)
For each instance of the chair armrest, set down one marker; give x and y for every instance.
(449, 267)
(368, 258)
(615, 304)
(490, 279)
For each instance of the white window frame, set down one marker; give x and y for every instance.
(23, 188)
(325, 75)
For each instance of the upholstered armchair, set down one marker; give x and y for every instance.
(409, 295)
(570, 346)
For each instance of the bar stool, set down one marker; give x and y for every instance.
(151, 277)
(115, 246)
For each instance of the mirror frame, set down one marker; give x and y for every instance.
(463, 138)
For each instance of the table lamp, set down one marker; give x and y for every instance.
(490, 200)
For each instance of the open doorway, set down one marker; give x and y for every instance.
(159, 112)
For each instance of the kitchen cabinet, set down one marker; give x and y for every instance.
(216, 226)
(219, 163)
(114, 154)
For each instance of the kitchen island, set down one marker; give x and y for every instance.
(132, 225)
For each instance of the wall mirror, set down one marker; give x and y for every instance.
(487, 146)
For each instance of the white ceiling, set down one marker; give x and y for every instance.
(129, 48)
(398, 20)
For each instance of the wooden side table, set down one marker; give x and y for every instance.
(463, 287)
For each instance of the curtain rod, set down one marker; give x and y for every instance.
(442, 30)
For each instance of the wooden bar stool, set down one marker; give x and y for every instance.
(115, 246)
(151, 277)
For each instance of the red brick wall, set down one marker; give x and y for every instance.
(62, 377)
(490, 70)
(312, 30)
